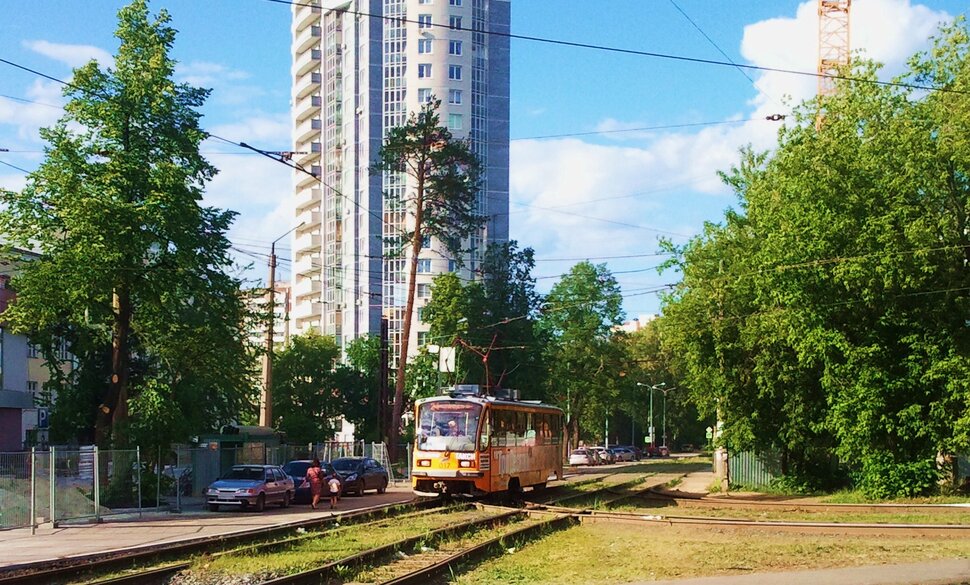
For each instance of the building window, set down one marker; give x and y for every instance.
(424, 1)
(32, 387)
(424, 46)
(423, 337)
(454, 47)
(454, 96)
(424, 95)
(454, 121)
(424, 290)
(424, 70)
(33, 350)
(421, 314)
(452, 266)
(454, 2)
(426, 242)
(454, 72)
(454, 22)
(424, 265)
(424, 21)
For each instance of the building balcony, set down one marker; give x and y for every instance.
(312, 156)
(304, 16)
(308, 218)
(307, 129)
(307, 61)
(307, 197)
(306, 242)
(305, 39)
(306, 287)
(309, 178)
(307, 265)
(306, 85)
(306, 309)
(307, 107)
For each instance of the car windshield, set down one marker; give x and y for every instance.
(296, 468)
(250, 473)
(345, 465)
(579, 452)
(445, 425)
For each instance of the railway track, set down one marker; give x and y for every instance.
(413, 559)
(685, 501)
(68, 570)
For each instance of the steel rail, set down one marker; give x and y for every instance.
(687, 501)
(482, 550)
(44, 574)
(161, 574)
(332, 569)
(792, 526)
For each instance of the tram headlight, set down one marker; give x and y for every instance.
(465, 463)
(424, 463)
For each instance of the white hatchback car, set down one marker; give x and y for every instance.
(582, 457)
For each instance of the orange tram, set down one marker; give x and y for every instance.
(475, 444)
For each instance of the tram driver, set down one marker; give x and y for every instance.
(453, 430)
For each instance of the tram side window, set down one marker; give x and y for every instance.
(504, 421)
(521, 427)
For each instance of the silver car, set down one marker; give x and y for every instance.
(245, 486)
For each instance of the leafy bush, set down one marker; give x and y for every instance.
(883, 478)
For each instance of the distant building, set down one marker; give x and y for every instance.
(638, 323)
(23, 373)
(282, 306)
(359, 68)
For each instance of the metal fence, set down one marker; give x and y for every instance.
(78, 483)
(752, 469)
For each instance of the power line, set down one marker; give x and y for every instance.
(640, 53)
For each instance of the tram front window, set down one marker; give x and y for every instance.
(448, 426)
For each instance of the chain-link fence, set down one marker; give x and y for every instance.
(62, 484)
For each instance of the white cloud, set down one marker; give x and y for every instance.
(567, 175)
(206, 74)
(70, 55)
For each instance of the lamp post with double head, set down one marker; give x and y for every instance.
(665, 390)
(653, 438)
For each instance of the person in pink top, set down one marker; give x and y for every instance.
(314, 477)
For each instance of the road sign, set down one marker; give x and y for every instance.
(42, 418)
(709, 433)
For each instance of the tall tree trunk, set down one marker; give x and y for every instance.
(395, 428)
(120, 363)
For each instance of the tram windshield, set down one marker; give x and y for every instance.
(445, 425)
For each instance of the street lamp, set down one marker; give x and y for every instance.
(665, 390)
(653, 439)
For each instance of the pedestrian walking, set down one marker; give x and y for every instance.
(334, 484)
(314, 476)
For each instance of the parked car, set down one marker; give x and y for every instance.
(361, 473)
(623, 454)
(250, 485)
(604, 454)
(582, 457)
(297, 471)
(663, 450)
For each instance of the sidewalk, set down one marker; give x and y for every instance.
(946, 572)
(19, 547)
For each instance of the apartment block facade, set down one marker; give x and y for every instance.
(359, 68)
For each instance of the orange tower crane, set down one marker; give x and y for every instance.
(833, 42)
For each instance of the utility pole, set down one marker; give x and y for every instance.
(384, 354)
(266, 395)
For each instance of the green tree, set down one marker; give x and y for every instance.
(826, 318)
(307, 399)
(359, 382)
(493, 315)
(441, 177)
(129, 258)
(579, 315)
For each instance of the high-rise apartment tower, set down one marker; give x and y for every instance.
(359, 68)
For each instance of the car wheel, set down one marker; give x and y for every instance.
(213, 507)
(383, 487)
(286, 500)
(261, 502)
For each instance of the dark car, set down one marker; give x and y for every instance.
(361, 473)
(247, 486)
(297, 472)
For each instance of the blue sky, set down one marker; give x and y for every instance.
(596, 196)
